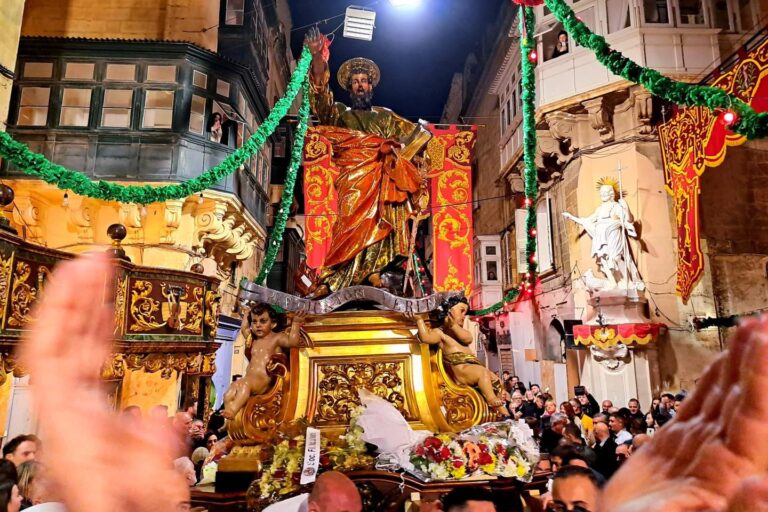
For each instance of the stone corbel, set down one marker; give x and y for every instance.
(28, 213)
(130, 217)
(515, 178)
(643, 110)
(79, 215)
(562, 127)
(173, 209)
(600, 117)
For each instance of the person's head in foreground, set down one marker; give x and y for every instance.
(468, 499)
(334, 492)
(20, 449)
(10, 498)
(574, 490)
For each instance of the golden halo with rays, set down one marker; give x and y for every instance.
(611, 182)
(358, 65)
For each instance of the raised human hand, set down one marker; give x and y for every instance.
(711, 456)
(314, 40)
(98, 461)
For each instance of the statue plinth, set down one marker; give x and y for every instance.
(352, 350)
(616, 307)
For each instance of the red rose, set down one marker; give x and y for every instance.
(419, 451)
(325, 461)
(457, 464)
(433, 442)
(483, 447)
(292, 443)
(500, 448)
(279, 474)
(445, 453)
(484, 458)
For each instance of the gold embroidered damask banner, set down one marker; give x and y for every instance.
(696, 138)
(320, 198)
(450, 152)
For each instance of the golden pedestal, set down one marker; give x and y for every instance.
(373, 350)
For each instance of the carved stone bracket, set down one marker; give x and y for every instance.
(600, 117)
(79, 215)
(172, 217)
(225, 237)
(28, 213)
(130, 217)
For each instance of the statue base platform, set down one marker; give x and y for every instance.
(381, 492)
(616, 307)
(351, 350)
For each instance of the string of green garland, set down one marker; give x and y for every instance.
(530, 175)
(35, 164)
(749, 123)
(286, 201)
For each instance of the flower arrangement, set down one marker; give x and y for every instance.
(493, 449)
(280, 477)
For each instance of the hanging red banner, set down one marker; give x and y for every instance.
(695, 138)
(450, 152)
(320, 198)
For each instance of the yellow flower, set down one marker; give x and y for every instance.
(444, 438)
(459, 472)
(521, 471)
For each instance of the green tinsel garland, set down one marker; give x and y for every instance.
(35, 164)
(286, 201)
(530, 175)
(750, 124)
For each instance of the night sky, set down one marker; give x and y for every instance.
(418, 49)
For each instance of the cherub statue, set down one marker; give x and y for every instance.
(454, 342)
(609, 227)
(261, 344)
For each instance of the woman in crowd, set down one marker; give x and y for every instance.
(10, 498)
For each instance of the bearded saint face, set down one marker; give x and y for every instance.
(360, 91)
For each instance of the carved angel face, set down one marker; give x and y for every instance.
(458, 313)
(262, 325)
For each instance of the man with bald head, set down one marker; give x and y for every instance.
(332, 492)
(605, 450)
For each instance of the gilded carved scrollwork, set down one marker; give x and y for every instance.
(338, 384)
(212, 300)
(176, 312)
(459, 408)
(23, 295)
(9, 364)
(6, 266)
(121, 297)
(144, 308)
(165, 363)
(114, 368)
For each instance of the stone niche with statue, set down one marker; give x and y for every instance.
(616, 330)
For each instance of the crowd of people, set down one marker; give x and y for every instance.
(708, 458)
(583, 433)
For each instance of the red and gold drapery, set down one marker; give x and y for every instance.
(696, 138)
(605, 336)
(320, 198)
(450, 152)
